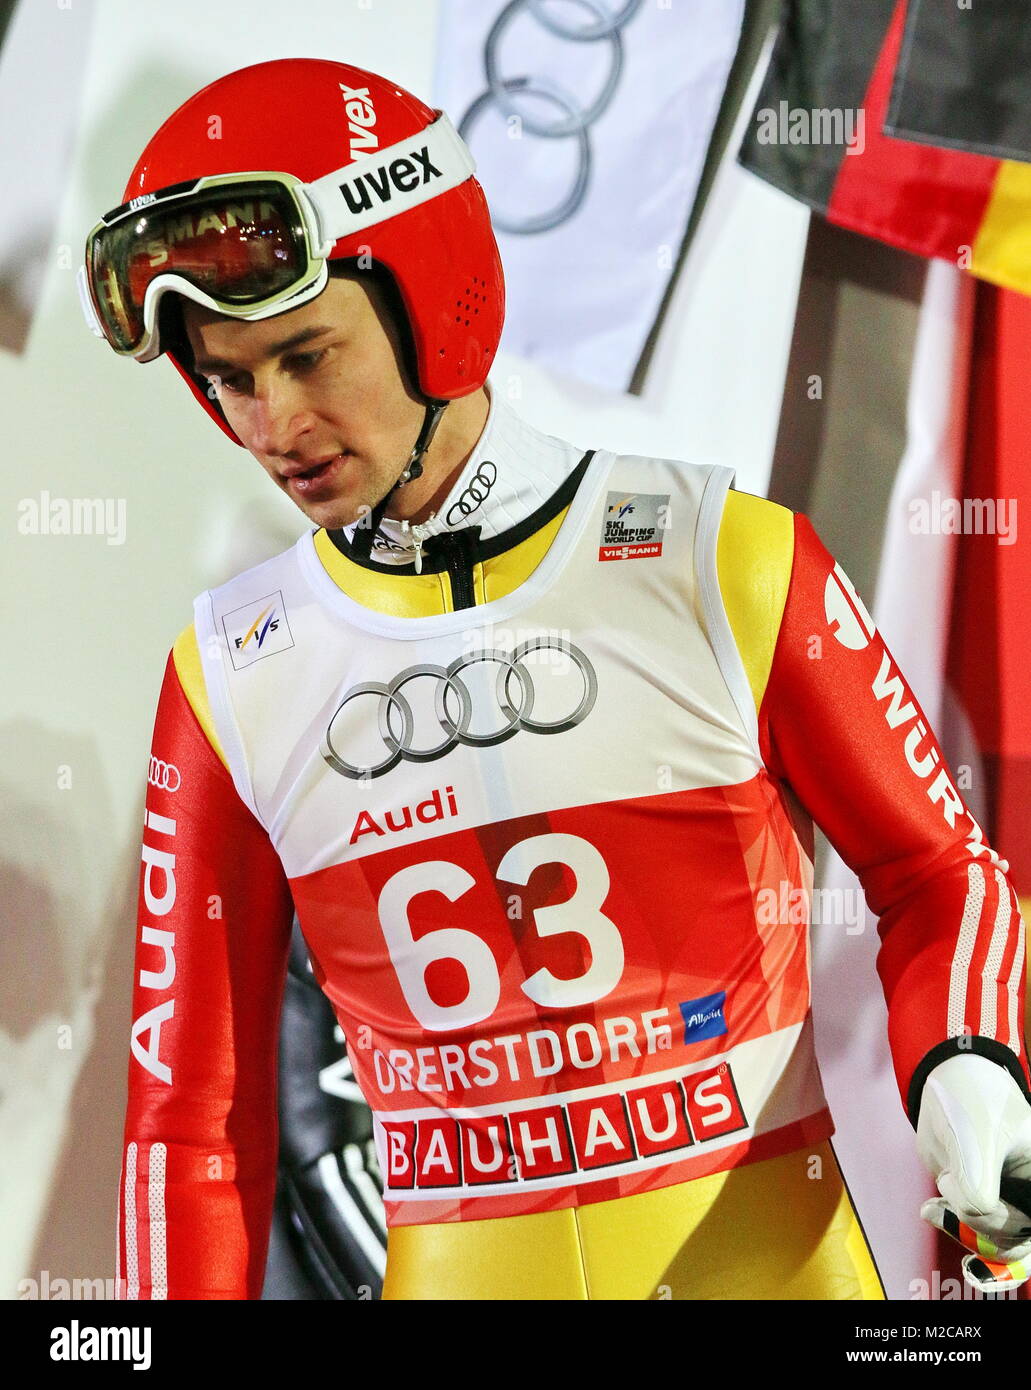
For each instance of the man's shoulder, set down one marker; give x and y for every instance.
(754, 558)
(756, 534)
(245, 595)
(252, 578)
(186, 659)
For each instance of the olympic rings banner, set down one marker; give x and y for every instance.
(589, 121)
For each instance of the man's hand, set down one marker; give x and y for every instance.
(974, 1136)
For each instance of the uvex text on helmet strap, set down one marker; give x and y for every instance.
(129, 266)
(368, 523)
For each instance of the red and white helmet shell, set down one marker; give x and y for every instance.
(308, 117)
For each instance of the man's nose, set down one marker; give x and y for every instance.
(281, 417)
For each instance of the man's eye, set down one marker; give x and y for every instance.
(299, 361)
(218, 383)
(307, 360)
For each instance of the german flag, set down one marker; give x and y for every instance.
(964, 77)
(987, 669)
(818, 131)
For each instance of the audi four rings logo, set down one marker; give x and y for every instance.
(574, 117)
(517, 689)
(164, 775)
(474, 494)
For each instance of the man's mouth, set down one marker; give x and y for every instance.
(317, 478)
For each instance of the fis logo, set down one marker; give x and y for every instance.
(263, 624)
(361, 117)
(703, 1018)
(256, 630)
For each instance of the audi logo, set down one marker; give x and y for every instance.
(164, 775)
(517, 688)
(474, 494)
(574, 117)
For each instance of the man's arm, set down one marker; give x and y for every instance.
(838, 723)
(199, 1159)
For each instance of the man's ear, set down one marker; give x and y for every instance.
(386, 297)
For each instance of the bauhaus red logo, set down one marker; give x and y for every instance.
(567, 1135)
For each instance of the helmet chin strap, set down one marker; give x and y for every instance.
(368, 523)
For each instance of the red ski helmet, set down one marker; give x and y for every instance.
(309, 117)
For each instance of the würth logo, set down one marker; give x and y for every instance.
(404, 174)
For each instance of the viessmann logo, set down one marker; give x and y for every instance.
(257, 629)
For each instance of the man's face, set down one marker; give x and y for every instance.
(319, 395)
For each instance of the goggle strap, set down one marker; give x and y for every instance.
(387, 182)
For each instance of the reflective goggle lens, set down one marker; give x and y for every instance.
(241, 245)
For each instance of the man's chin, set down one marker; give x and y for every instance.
(332, 513)
(332, 510)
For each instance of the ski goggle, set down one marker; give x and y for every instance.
(253, 244)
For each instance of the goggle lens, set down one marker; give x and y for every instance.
(241, 246)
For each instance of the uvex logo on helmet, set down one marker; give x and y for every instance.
(404, 174)
(361, 117)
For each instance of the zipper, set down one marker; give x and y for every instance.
(457, 549)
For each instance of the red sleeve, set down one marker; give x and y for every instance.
(199, 1161)
(839, 723)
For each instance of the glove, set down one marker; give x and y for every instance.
(974, 1137)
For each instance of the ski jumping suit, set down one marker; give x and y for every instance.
(539, 780)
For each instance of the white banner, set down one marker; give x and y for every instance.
(42, 62)
(589, 121)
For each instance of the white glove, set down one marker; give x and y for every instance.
(974, 1135)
